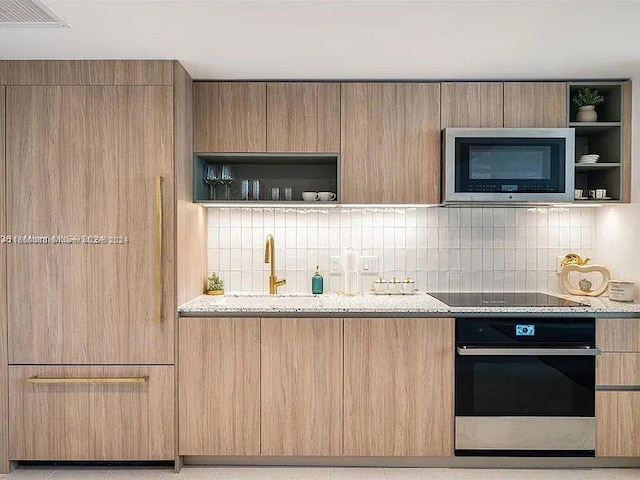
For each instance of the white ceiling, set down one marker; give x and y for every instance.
(349, 39)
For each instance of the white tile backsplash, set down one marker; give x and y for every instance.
(452, 249)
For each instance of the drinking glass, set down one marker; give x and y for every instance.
(212, 177)
(288, 193)
(226, 178)
(255, 190)
(244, 189)
(275, 193)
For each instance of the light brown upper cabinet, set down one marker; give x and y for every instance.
(390, 143)
(535, 104)
(230, 117)
(299, 117)
(301, 386)
(303, 117)
(219, 391)
(472, 104)
(84, 162)
(398, 382)
(86, 72)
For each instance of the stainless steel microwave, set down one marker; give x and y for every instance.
(532, 165)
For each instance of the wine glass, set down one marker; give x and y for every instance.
(212, 176)
(226, 178)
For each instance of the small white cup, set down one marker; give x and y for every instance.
(310, 196)
(394, 286)
(578, 193)
(601, 193)
(326, 196)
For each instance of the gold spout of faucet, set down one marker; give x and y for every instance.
(270, 257)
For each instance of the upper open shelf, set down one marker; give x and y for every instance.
(257, 178)
(609, 111)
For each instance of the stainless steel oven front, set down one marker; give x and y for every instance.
(525, 387)
(532, 165)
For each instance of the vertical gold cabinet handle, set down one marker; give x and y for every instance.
(159, 248)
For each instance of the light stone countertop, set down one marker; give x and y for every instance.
(369, 305)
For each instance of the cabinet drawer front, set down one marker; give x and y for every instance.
(618, 334)
(617, 426)
(618, 369)
(91, 413)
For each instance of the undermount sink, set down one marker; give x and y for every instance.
(268, 301)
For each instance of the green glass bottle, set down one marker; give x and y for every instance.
(317, 282)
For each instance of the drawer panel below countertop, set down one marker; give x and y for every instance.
(618, 334)
(618, 369)
(91, 413)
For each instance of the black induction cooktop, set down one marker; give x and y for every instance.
(496, 299)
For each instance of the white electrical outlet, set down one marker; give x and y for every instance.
(559, 259)
(369, 264)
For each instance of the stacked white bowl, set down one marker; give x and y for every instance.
(590, 158)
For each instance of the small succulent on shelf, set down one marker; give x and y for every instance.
(215, 285)
(587, 97)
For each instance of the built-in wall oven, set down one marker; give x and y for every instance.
(525, 387)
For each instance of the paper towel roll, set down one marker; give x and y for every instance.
(351, 260)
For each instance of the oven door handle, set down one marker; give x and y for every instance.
(533, 352)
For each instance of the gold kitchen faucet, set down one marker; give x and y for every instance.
(270, 257)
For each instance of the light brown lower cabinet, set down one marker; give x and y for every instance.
(617, 424)
(618, 334)
(91, 413)
(316, 386)
(219, 392)
(615, 369)
(398, 386)
(301, 386)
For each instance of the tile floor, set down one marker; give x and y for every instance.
(305, 473)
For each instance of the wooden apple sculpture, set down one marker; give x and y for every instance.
(574, 263)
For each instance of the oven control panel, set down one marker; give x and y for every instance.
(525, 330)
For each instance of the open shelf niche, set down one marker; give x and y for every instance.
(316, 172)
(603, 137)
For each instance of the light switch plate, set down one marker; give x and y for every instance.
(335, 267)
(369, 265)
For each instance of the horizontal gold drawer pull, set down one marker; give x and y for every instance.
(37, 379)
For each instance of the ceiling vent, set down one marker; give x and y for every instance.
(28, 13)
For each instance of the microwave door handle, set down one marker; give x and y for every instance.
(484, 352)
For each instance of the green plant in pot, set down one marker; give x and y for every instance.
(215, 285)
(586, 99)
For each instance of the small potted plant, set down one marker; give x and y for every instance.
(215, 285)
(586, 99)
